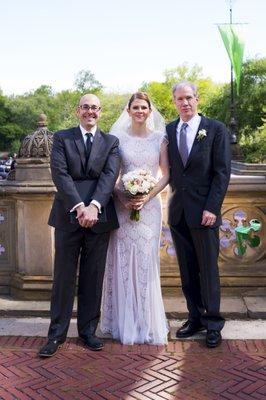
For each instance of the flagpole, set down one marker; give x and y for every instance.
(232, 123)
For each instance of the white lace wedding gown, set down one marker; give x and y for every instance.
(132, 306)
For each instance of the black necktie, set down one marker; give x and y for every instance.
(88, 143)
(183, 149)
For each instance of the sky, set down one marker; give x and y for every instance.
(122, 42)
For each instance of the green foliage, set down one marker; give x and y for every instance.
(87, 83)
(9, 131)
(254, 146)
(249, 103)
(112, 106)
(161, 92)
(161, 97)
(19, 114)
(252, 95)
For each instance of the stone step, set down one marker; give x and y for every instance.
(175, 307)
(38, 327)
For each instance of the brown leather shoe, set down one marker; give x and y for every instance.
(189, 329)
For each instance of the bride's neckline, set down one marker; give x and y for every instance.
(132, 135)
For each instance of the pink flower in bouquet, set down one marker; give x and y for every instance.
(138, 182)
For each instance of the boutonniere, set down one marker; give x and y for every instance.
(201, 134)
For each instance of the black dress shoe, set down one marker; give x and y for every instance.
(50, 348)
(189, 329)
(213, 338)
(93, 343)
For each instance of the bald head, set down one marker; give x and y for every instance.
(91, 98)
(89, 111)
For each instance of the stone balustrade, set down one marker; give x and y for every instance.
(26, 241)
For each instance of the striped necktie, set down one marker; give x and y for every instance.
(183, 149)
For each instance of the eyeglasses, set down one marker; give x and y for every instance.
(86, 107)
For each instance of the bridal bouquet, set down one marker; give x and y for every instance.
(135, 183)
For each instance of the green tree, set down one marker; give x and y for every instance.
(112, 106)
(65, 106)
(9, 130)
(249, 103)
(86, 82)
(254, 146)
(249, 107)
(161, 92)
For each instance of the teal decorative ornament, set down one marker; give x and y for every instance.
(246, 234)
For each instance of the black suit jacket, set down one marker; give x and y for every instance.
(77, 179)
(202, 183)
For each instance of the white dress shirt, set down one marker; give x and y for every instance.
(85, 138)
(192, 129)
(92, 131)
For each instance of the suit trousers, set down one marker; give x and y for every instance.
(197, 252)
(88, 249)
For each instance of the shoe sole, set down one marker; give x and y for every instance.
(91, 348)
(212, 346)
(191, 334)
(44, 355)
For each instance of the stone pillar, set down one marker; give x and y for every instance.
(26, 241)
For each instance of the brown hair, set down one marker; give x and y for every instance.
(141, 96)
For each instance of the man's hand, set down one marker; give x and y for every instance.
(80, 209)
(208, 218)
(87, 216)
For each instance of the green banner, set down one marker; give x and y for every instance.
(232, 36)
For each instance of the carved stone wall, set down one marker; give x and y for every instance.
(245, 201)
(7, 244)
(26, 241)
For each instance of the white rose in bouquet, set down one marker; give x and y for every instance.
(138, 182)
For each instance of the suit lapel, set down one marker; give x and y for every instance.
(79, 141)
(175, 145)
(197, 143)
(97, 143)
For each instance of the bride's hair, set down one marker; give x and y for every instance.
(140, 96)
(155, 121)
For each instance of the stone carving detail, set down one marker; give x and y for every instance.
(250, 248)
(241, 234)
(39, 143)
(166, 241)
(2, 249)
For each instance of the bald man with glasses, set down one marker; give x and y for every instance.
(85, 165)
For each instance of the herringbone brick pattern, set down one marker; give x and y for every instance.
(182, 370)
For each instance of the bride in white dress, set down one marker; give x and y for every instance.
(132, 305)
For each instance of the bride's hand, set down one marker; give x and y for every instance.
(125, 200)
(139, 201)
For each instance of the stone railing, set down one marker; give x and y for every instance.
(26, 241)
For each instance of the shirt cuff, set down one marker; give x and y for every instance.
(76, 206)
(97, 204)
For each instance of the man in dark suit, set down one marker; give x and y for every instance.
(85, 165)
(199, 158)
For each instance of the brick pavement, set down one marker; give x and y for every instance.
(181, 370)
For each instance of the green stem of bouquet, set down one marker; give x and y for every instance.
(135, 215)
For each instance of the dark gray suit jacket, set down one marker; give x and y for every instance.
(79, 180)
(202, 183)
